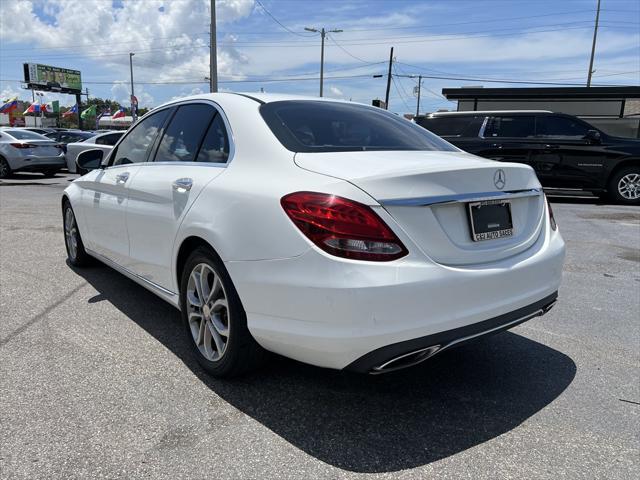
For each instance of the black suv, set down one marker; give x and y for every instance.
(565, 151)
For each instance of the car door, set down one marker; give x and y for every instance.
(507, 138)
(568, 157)
(105, 191)
(193, 150)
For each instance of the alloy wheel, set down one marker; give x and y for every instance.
(71, 233)
(629, 186)
(4, 168)
(208, 312)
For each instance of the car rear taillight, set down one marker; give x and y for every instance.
(22, 145)
(342, 227)
(552, 218)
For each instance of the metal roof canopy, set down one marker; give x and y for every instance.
(546, 93)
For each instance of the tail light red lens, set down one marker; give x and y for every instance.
(22, 145)
(552, 218)
(342, 227)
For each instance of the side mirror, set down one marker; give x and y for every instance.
(90, 159)
(593, 136)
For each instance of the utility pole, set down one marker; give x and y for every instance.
(133, 108)
(419, 86)
(213, 51)
(323, 33)
(386, 97)
(593, 45)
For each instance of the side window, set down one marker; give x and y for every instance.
(215, 148)
(514, 127)
(183, 136)
(560, 127)
(110, 139)
(136, 144)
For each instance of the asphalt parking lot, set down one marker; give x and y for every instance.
(96, 380)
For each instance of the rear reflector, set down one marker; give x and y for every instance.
(342, 227)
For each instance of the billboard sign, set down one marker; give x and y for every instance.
(55, 79)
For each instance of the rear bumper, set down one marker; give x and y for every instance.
(414, 351)
(333, 312)
(36, 164)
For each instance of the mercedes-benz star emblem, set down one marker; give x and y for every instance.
(499, 179)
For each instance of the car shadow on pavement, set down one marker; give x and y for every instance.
(372, 424)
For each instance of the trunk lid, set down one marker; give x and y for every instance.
(428, 193)
(41, 148)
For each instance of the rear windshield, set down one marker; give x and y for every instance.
(25, 135)
(317, 126)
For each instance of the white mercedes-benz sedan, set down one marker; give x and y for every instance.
(334, 233)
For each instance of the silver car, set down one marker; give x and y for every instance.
(25, 151)
(102, 141)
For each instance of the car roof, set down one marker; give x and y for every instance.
(258, 97)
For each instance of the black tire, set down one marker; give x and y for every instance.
(5, 169)
(241, 352)
(49, 173)
(615, 187)
(78, 257)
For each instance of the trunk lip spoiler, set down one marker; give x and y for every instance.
(459, 198)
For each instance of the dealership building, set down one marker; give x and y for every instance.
(614, 110)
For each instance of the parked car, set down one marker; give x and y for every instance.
(64, 137)
(565, 151)
(334, 233)
(24, 151)
(102, 141)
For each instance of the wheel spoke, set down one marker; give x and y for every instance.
(193, 299)
(220, 344)
(218, 311)
(200, 339)
(217, 286)
(204, 284)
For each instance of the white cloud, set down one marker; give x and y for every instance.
(335, 92)
(169, 38)
(121, 93)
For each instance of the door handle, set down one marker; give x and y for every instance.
(496, 145)
(552, 147)
(122, 177)
(183, 184)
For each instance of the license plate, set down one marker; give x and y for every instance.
(490, 220)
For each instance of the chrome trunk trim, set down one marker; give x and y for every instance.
(460, 198)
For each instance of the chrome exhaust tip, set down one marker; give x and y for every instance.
(406, 360)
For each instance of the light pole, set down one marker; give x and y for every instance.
(133, 110)
(213, 51)
(323, 33)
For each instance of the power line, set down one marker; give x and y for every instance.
(347, 52)
(279, 22)
(340, 77)
(399, 94)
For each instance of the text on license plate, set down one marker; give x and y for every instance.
(490, 220)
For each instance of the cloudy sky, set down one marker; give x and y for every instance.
(263, 44)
